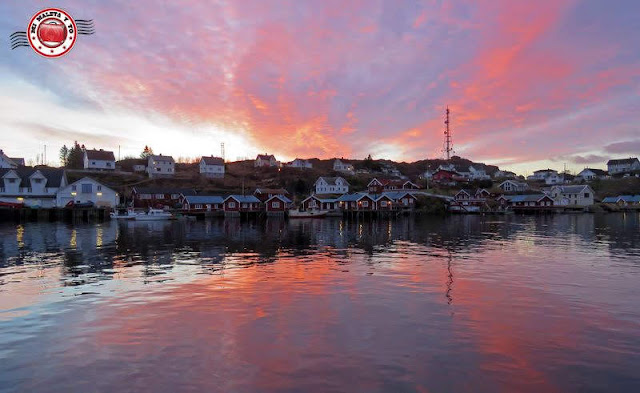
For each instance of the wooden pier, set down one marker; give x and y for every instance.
(54, 214)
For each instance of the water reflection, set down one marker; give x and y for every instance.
(515, 303)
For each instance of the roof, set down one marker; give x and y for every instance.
(212, 160)
(267, 157)
(598, 172)
(623, 161)
(100, 155)
(394, 195)
(527, 198)
(353, 197)
(630, 198)
(514, 182)
(54, 176)
(610, 199)
(570, 189)
(161, 190)
(545, 170)
(160, 157)
(332, 180)
(323, 199)
(244, 198)
(281, 197)
(272, 191)
(204, 199)
(17, 160)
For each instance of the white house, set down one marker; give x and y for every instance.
(513, 186)
(99, 160)
(159, 166)
(212, 167)
(300, 163)
(31, 186)
(340, 166)
(549, 176)
(572, 195)
(589, 174)
(623, 165)
(87, 190)
(265, 160)
(478, 173)
(6, 162)
(331, 185)
(500, 174)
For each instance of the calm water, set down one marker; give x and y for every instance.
(538, 304)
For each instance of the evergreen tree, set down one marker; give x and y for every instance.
(64, 155)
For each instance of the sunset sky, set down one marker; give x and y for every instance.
(530, 83)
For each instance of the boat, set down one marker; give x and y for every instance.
(128, 214)
(307, 213)
(153, 215)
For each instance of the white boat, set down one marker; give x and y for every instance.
(128, 214)
(307, 213)
(153, 215)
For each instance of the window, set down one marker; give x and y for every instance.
(37, 181)
(159, 196)
(109, 164)
(586, 195)
(145, 196)
(365, 203)
(244, 205)
(232, 205)
(197, 206)
(158, 170)
(383, 203)
(99, 188)
(275, 205)
(12, 180)
(87, 188)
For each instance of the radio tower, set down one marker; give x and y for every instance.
(222, 150)
(448, 144)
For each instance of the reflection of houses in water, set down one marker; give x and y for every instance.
(55, 237)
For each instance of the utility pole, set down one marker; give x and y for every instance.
(222, 150)
(45, 155)
(447, 137)
(118, 152)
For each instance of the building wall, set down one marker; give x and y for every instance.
(215, 171)
(157, 167)
(99, 164)
(87, 190)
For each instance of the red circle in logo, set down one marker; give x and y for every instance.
(52, 32)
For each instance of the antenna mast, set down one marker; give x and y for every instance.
(447, 137)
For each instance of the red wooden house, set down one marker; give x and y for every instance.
(265, 193)
(144, 197)
(241, 203)
(277, 203)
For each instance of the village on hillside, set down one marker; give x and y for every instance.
(92, 178)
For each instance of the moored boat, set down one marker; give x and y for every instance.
(153, 215)
(307, 213)
(128, 214)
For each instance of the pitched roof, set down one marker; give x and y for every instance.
(100, 155)
(266, 157)
(212, 160)
(160, 157)
(54, 176)
(332, 180)
(570, 189)
(353, 197)
(527, 198)
(17, 160)
(204, 199)
(272, 191)
(610, 199)
(161, 190)
(598, 172)
(281, 197)
(623, 161)
(323, 198)
(545, 170)
(244, 198)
